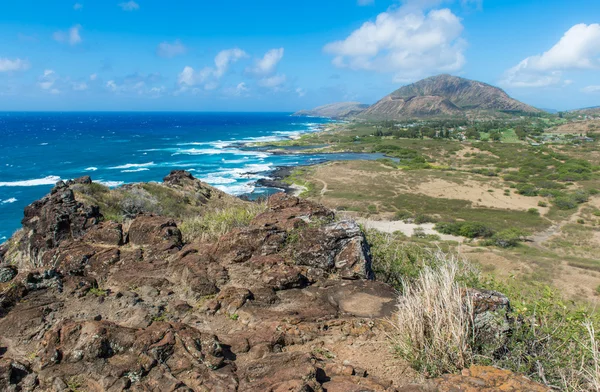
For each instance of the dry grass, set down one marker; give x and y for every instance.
(434, 321)
(215, 223)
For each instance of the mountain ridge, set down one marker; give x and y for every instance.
(437, 96)
(445, 95)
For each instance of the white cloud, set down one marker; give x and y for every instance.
(578, 49)
(591, 89)
(365, 2)
(7, 65)
(93, 77)
(137, 84)
(169, 50)
(73, 36)
(79, 86)
(77, 6)
(268, 63)
(210, 75)
(273, 82)
(301, 92)
(129, 6)
(241, 90)
(406, 41)
(47, 80)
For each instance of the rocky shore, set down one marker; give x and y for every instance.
(287, 303)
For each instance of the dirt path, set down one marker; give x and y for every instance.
(324, 190)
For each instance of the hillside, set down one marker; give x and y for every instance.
(337, 110)
(445, 95)
(593, 111)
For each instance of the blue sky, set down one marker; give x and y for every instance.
(267, 55)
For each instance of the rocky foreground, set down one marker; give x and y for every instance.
(288, 303)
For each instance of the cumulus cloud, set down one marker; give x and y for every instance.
(267, 64)
(591, 89)
(578, 49)
(72, 36)
(209, 76)
(47, 80)
(77, 6)
(169, 50)
(408, 41)
(129, 6)
(8, 65)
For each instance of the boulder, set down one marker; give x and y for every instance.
(156, 231)
(7, 273)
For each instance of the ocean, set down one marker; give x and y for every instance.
(39, 149)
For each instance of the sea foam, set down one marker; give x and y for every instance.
(8, 201)
(49, 180)
(133, 165)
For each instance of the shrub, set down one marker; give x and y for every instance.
(542, 204)
(465, 229)
(527, 190)
(402, 215)
(372, 209)
(580, 221)
(508, 238)
(533, 211)
(422, 218)
(565, 203)
(432, 329)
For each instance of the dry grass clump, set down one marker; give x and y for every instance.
(434, 321)
(215, 223)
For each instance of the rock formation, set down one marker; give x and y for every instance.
(288, 303)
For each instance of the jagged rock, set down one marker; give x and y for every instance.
(106, 233)
(7, 273)
(55, 218)
(338, 246)
(155, 230)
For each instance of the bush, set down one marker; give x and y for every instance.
(508, 238)
(422, 218)
(533, 211)
(565, 203)
(527, 190)
(372, 209)
(542, 204)
(465, 229)
(402, 215)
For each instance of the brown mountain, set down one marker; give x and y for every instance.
(445, 95)
(335, 110)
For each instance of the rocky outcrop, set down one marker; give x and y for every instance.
(287, 303)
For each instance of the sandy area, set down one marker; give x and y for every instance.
(478, 193)
(405, 228)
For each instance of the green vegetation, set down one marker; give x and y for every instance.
(98, 292)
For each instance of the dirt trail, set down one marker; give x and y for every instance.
(324, 190)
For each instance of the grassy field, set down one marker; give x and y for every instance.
(548, 192)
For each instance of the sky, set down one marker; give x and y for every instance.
(274, 55)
